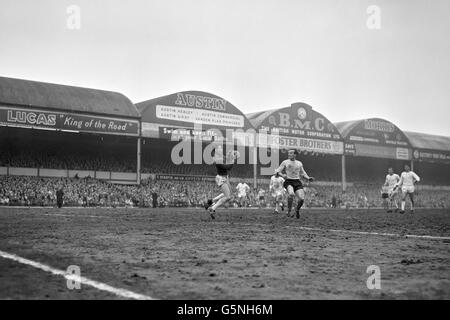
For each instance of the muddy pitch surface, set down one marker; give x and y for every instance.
(243, 254)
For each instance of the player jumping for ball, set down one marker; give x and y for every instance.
(407, 181)
(294, 170)
(223, 166)
(391, 181)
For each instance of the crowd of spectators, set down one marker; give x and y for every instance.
(78, 161)
(35, 191)
(45, 150)
(88, 192)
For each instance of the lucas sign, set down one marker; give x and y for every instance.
(39, 119)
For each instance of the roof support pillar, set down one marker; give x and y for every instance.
(138, 161)
(344, 178)
(255, 161)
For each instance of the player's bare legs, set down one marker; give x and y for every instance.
(301, 199)
(278, 203)
(242, 201)
(220, 199)
(277, 206)
(411, 197)
(212, 201)
(290, 200)
(402, 210)
(393, 202)
(220, 196)
(386, 205)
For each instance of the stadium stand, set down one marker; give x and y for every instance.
(26, 144)
(53, 126)
(59, 150)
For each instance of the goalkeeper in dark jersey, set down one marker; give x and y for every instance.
(223, 164)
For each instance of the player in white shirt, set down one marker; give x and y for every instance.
(242, 189)
(277, 190)
(391, 181)
(407, 181)
(294, 170)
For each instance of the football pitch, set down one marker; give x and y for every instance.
(170, 253)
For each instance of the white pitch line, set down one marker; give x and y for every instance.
(396, 235)
(72, 215)
(426, 237)
(377, 233)
(61, 215)
(82, 280)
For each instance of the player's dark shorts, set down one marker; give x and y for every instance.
(261, 198)
(384, 195)
(295, 183)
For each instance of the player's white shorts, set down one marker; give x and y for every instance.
(242, 195)
(277, 193)
(220, 180)
(392, 192)
(408, 189)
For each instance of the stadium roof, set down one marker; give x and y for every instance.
(416, 139)
(256, 118)
(428, 141)
(65, 98)
(345, 127)
(373, 131)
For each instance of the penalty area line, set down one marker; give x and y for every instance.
(82, 280)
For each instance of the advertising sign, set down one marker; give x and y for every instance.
(299, 120)
(311, 145)
(431, 156)
(200, 111)
(38, 119)
(377, 132)
(299, 127)
(177, 134)
(171, 177)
